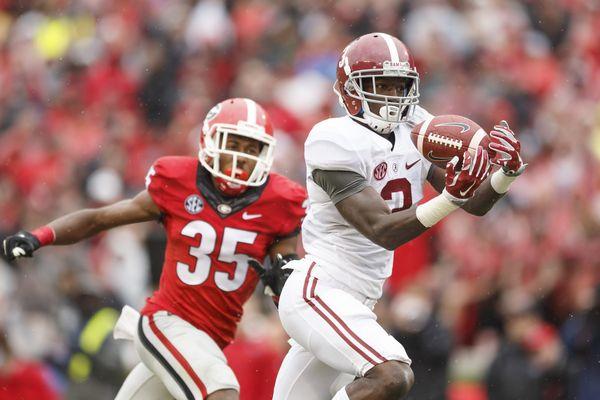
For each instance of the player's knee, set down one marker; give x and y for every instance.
(394, 379)
(406, 379)
(225, 394)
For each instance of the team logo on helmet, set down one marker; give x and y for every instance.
(344, 63)
(380, 171)
(193, 204)
(213, 112)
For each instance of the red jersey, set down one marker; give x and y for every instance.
(206, 278)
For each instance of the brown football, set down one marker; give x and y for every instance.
(446, 136)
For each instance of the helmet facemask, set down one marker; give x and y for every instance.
(214, 147)
(362, 85)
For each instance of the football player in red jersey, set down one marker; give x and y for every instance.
(221, 212)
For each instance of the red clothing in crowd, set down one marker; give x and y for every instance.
(25, 381)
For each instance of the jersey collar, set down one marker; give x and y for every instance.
(390, 137)
(223, 205)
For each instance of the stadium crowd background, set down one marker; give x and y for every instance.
(93, 91)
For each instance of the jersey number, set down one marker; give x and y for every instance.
(398, 190)
(199, 274)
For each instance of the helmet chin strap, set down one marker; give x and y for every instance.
(386, 112)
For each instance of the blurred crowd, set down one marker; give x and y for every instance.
(93, 91)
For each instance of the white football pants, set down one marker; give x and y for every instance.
(179, 361)
(335, 336)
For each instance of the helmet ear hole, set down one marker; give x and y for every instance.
(349, 88)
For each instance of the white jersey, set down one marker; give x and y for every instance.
(396, 172)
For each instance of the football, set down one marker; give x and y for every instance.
(445, 136)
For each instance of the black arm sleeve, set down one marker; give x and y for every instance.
(339, 184)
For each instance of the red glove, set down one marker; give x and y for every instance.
(508, 150)
(462, 182)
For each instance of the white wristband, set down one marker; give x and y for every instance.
(501, 182)
(434, 210)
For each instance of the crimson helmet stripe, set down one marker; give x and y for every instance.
(394, 57)
(251, 110)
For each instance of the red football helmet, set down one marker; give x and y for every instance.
(243, 117)
(369, 57)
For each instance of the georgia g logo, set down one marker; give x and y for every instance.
(193, 204)
(213, 112)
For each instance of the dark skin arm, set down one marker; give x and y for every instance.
(283, 247)
(369, 214)
(482, 201)
(83, 224)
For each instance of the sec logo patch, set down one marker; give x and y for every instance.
(380, 171)
(193, 204)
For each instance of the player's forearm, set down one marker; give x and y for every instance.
(483, 200)
(367, 212)
(79, 225)
(86, 223)
(490, 191)
(395, 229)
(405, 225)
(83, 224)
(68, 229)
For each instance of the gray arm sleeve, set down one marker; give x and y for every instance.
(339, 184)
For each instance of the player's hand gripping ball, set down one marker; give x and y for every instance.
(463, 179)
(507, 149)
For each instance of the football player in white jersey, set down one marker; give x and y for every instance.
(365, 179)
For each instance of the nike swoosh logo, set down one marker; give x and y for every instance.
(434, 158)
(463, 192)
(464, 127)
(409, 166)
(246, 216)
